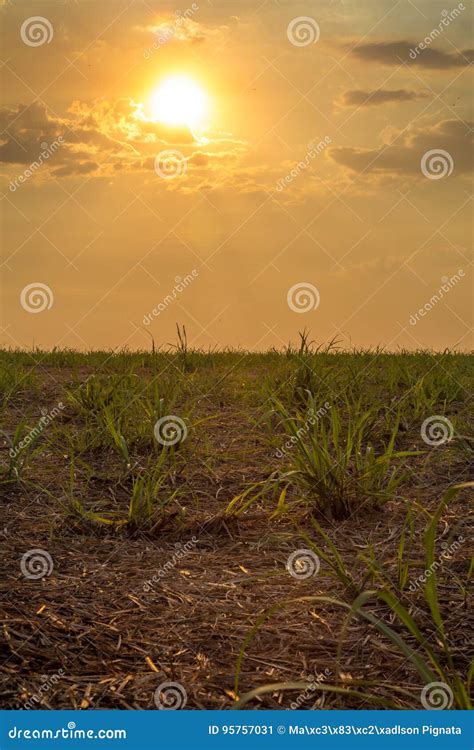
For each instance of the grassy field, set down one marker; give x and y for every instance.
(210, 530)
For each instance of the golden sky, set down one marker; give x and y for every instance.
(247, 169)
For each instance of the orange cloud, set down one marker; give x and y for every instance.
(104, 137)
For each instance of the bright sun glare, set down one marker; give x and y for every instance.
(179, 101)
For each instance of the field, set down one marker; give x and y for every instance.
(277, 530)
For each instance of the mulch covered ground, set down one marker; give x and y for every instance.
(122, 613)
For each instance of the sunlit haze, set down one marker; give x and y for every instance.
(245, 169)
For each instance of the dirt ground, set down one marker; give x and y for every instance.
(123, 611)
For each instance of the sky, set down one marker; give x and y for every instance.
(245, 169)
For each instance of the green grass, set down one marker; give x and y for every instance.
(317, 441)
(428, 646)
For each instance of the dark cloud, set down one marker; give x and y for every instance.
(359, 98)
(90, 133)
(412, 53)
(102, 137)
(403, 154)
(72, 168)
(24, 131)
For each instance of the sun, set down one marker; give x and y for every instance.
(179, 101)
